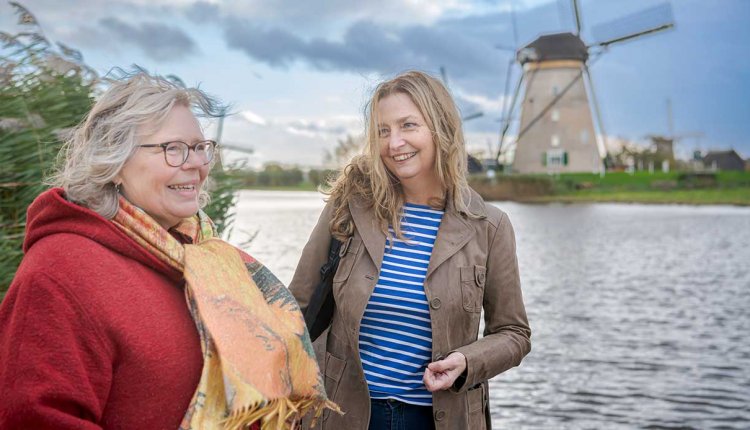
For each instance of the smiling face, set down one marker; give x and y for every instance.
(406, 145)
(168, 194)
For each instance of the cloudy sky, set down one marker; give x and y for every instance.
(298, 73)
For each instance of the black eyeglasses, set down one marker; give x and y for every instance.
(176, 153)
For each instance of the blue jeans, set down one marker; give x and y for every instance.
(394, 415)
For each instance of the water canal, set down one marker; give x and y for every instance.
(640, 313)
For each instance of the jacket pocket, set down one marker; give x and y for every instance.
(334, 369)
(475, 399)
(348, 252)
(472, 287)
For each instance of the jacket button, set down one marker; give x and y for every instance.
(435, 303)
(481, 277)
(439, 415)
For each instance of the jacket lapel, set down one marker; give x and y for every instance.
(453, 234)
(368, 228)
(455, 231)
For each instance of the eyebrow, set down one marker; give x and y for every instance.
(188, 141)
(402, 119)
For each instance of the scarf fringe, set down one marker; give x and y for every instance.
(278, 414)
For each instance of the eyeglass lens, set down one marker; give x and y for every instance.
(177, 153)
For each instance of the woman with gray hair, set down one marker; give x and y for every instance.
(127, 311)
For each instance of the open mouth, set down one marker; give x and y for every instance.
(181, 187)
(402, 157)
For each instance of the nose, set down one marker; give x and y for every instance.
(193, 161)
(395, 141)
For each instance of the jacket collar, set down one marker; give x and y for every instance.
(455, 230)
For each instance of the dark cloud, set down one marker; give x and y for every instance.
(368, 47)
(158, 41)
(202, 11)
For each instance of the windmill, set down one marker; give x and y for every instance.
(557, 131)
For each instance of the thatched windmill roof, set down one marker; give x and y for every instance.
(559, 46)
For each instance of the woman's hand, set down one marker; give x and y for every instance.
(440, 375)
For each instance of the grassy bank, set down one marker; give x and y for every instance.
(732, 188)
(642, 187)
(735, 196)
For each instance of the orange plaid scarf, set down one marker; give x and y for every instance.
(259, 364)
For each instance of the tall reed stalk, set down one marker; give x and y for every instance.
(45, 90)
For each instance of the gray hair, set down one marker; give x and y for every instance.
(99, 147)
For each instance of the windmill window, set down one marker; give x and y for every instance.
(584, 137)
(555, 90)
(556, 158)
(555, 140)
(555, 115)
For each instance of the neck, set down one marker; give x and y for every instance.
(421, 194)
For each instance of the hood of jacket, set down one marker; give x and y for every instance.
(51, 214)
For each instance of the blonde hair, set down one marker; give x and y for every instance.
(366, 176)
(102, 143)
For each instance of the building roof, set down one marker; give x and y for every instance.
(722, 154)
(725, 160)
(558, 46)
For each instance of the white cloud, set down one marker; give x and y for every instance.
(253, 118)
(486, 104)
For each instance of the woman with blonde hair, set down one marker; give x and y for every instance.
(128, 311)
(422, 256)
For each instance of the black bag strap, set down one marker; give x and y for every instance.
(319, 311)
(333, 259)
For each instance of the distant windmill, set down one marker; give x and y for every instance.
(444, 78)
(556, 132)
(665, 144)
(474, 165)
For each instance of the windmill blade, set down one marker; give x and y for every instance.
(603, 150)
(508, 71)
(513, 23)
(670, 118)
(577, 14)
(507, 119)
(690, 134)
(511, 110)
(648, 21)
(505, 48)
(472, 116)
(444, 76)
(237, 148)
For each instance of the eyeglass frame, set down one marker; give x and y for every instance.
(164, 146)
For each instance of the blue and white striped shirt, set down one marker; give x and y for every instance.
(395, 339)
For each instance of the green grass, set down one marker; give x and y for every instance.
(733, 188)
(642, 180)
(644, 187)
(729, 196)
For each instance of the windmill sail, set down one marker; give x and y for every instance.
(638, 24)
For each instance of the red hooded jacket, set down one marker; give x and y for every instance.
(94, 331)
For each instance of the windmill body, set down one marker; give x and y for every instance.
(557, 125)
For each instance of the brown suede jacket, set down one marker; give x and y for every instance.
(473, 268)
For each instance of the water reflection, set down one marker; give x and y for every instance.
(639, 312)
